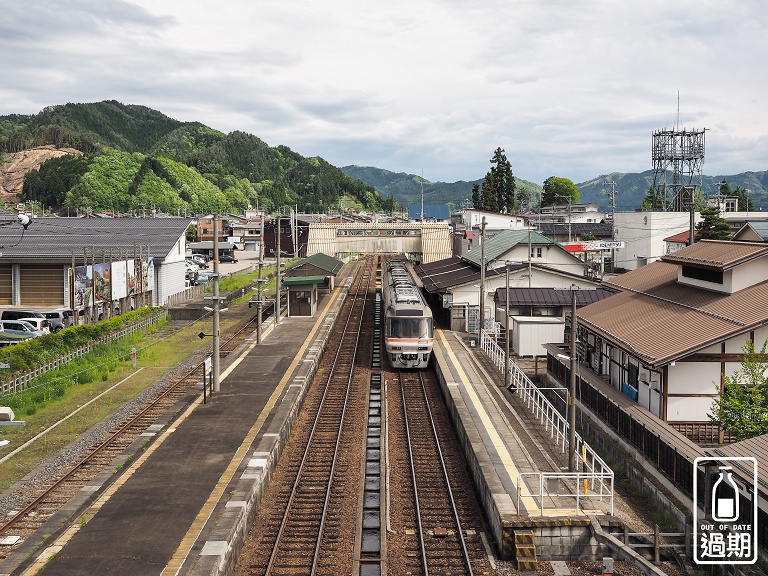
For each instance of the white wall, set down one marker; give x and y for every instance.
(643, 234)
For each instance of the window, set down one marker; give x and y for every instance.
(705, 274)
(536, 252)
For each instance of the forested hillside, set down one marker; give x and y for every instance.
(137, 159)
(406, 188)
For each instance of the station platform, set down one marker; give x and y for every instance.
(514, 458)
(183, 502)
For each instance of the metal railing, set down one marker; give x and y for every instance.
(593, 469)
(578, 486)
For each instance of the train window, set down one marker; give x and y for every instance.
(410, 328)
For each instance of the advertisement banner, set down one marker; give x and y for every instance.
(83, 287)
(102, 291)
(119, 280)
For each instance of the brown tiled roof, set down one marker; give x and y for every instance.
(661, 320)
(679, 237)
(721, 254)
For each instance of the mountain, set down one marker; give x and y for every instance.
(135, 158)
(631, 188)
(406, 188)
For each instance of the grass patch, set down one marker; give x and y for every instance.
(60, 392)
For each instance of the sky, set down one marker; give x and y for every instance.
(568, 88)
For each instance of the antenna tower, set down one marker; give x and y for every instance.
(680, 152)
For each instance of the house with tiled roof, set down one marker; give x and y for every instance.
(677, 241)
(454, 283)
(676, 327)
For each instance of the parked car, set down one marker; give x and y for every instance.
(20, 328)
(200, 260)
(41, 324)
(59, 319)
(227, 258)
(18, 314)
(203, 277)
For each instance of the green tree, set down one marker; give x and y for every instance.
(477, 200)
(558, 191)
(746, 203)
(712, 226)
(654, 199)
(742, 406)
(502, 182)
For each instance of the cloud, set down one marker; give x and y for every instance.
(572, 88)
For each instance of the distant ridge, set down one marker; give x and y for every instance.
(631, 188)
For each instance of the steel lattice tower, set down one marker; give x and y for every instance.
(679, 154)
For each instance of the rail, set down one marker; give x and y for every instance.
(594, 470)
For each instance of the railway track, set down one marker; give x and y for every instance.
(42, 502)
(305, 520)
(342, 524)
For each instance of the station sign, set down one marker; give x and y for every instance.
(592, 245)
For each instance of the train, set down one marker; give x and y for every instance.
(408, 323)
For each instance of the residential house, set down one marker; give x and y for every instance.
(676, 327)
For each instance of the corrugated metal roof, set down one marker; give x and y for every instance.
(721, 254)
(301, 280)
(549, 296)
(597, 229)
(57, 239)
(504, 241)
(759, 227)
(756, 447)
(323, 261)
(661, 320)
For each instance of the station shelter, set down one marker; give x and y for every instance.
(302, 294)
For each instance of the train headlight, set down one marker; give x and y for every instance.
(423, 348)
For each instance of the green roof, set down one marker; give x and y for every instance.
(497, 245)
(322, 261)
(301, 280)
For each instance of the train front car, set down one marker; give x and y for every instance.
(408, 327)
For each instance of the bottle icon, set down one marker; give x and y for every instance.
(725, 497)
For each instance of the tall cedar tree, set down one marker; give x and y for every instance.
(712, 226)
(498, 192)
(477, 200)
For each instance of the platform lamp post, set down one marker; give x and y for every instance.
(482, 280)
(261, 279)
(506, 328)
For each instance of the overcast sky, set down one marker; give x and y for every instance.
(571, 88)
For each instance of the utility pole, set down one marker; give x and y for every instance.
(572, 389)
(612, 195)
(216, 351)
(277, 274)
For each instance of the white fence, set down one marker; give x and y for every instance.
(20, 382)
(595, 476)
